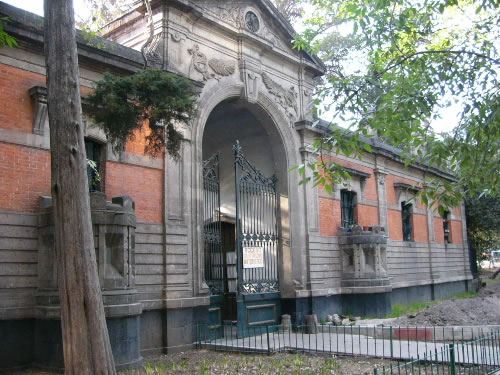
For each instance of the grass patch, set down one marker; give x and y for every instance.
(464, 295)
(489, 281)
(242, 364)
(399, 310)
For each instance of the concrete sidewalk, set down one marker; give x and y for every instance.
(487, 352)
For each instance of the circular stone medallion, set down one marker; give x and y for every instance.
(252, 22)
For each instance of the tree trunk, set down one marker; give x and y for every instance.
(85, 336)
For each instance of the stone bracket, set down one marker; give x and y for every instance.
(39, 98)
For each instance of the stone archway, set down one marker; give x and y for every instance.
(272, 144)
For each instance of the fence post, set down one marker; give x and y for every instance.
(390, 339)
(452, 360)
(198, 341)
(268, 342)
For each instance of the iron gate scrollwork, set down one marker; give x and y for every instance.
(256, 227)
(214, 261)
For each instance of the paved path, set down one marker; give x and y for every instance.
(358, 344)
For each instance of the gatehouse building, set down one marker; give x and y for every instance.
(226, 234)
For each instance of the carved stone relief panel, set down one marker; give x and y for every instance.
(155, 50)
(244, 17)
(286, 98)
(209, 68)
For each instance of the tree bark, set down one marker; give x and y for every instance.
(85, 336)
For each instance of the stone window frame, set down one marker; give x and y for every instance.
(408, 233)
(405, 193)
(447, 229)
(354, 203)
(96, 135)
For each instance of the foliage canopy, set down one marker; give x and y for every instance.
(391, 66)
(6, 39)
(122, 105)
(483, 223)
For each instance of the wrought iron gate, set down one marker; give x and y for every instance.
(212, 236)
(214, 265)
(257, 245)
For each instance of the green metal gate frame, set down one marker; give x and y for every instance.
(257, 207)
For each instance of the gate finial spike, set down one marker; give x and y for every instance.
(237, 148)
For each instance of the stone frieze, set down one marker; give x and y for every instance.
(287, 98)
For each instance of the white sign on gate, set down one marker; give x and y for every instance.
(253, 257)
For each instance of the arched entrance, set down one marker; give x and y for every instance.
(245, 176)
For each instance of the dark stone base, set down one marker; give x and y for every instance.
(16, 343)
(152, 333)
(327, 305)
(38, 343)
(180, 327)
(377, 305)
(425, 293)
(297, 308)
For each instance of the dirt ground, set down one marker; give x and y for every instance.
(483, 309)
(203, 362)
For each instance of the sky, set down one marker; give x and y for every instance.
(445, 123)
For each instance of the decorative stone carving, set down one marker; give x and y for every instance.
(308, 104)
(221, 67)
(286, 98)
(154, 51)
(39, 98)
(267, 34)
(252, 85)
(364, 259)
(199, 62)
(381, 178)
(252, 22)
(231, 15)
(177, 36)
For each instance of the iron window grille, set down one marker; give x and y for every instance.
(406, 211)
(347, 204)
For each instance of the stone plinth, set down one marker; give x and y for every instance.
(364, 260)
(114, 226)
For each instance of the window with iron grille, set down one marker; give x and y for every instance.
(347, 204)
(446, 227)
(94, 152)
(406, 210)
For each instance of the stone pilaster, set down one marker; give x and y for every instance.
(382, 198)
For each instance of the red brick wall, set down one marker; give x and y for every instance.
(25, 172)
(138, 142)
(456, 232)
(366, 215)
(419, 228)
(395, 225)
(392, 194)
(438, 230)
(329, 216)
(144, 185)
(24, 177)
(16, 110)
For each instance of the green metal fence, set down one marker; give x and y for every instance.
(409, 350)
